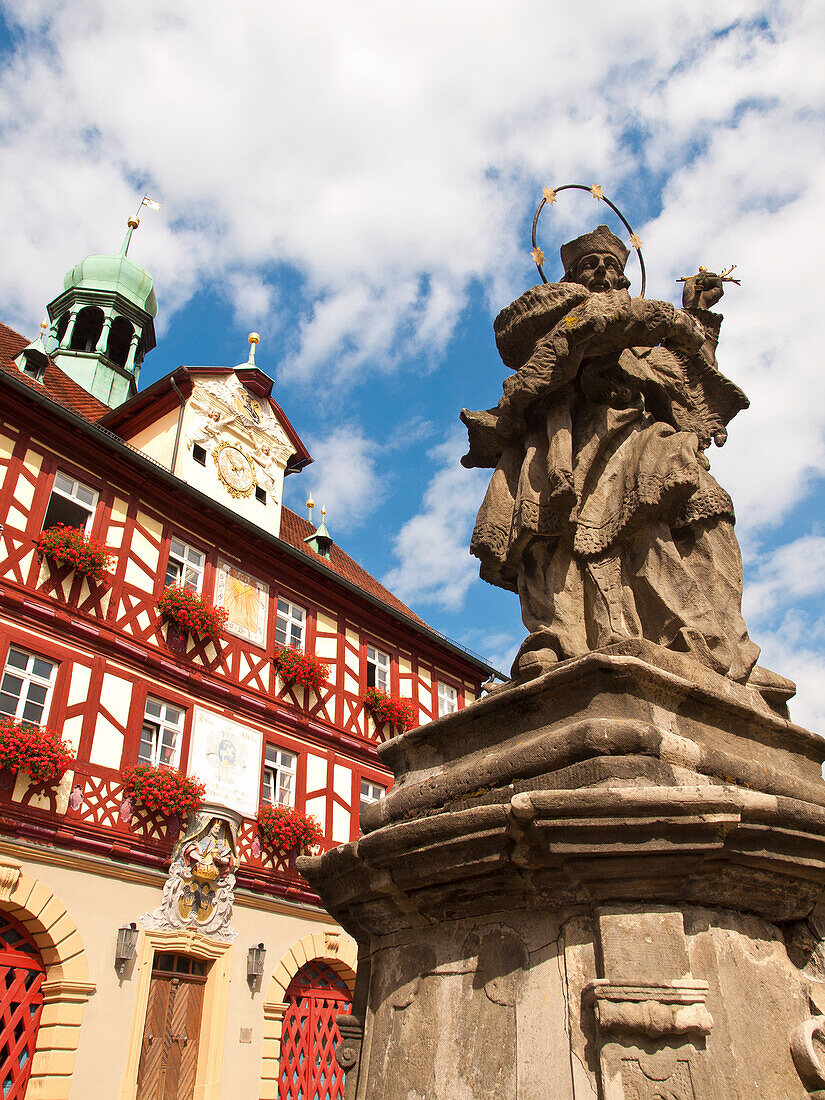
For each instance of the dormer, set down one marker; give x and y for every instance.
(219, 430)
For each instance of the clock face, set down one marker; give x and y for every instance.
(235, 470)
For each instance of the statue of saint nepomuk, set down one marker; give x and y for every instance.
(602, 512)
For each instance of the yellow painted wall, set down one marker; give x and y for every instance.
(99, 897)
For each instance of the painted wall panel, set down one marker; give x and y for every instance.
(107, 745)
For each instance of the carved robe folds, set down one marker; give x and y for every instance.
(601, 511)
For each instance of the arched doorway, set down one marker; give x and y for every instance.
(21, 1004)
(308, 1070)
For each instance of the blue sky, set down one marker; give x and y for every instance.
(356, 182)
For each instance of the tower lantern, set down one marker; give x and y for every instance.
(102, 325)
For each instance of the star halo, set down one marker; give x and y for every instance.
(549, 195)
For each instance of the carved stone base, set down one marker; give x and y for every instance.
(600, 884)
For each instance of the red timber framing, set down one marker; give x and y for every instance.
(111, 650)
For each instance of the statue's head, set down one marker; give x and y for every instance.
(215, 828)
(596, 260)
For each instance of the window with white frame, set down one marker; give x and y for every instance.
(371, 792)
(72, 503)
(161, 733)
(185, 565)
(378, 669)
(279, 777)
(447, 699)
(289, 624)
(26, 687)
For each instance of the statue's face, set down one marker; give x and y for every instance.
(216, 829)
(598, 272)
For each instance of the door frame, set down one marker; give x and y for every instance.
(213, 1014)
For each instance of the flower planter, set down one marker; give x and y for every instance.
(176, 638)
(288, 831)
(296, 667)
(165, 790)
(41, 753)
(73, 547)
(389, 710)
(189, 612)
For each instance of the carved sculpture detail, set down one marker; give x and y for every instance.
(199, 892)
(601, 511)
(224, 404)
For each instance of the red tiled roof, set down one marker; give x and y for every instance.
(294, 529)
(57, 384)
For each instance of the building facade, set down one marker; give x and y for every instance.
(183, 483)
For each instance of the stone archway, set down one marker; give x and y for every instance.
(67, 986)
(333, 947)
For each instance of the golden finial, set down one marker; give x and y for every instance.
(254, 339)
(549, 195)
(44, 324)
(538, 256)
(323, 513)
(635, 240)
(310, 506)
(596, 191)
(133, 221)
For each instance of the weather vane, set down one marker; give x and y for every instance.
(549, 195)
(134, 221)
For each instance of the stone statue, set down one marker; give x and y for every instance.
(199, 892)
(602, 513)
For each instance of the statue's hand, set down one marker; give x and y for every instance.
(702, 291)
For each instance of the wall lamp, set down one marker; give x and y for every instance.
(127, 937)
(255, 962)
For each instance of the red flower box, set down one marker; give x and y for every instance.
(25, 747)
(388, 709)
(288, 830)
(166, 789)
(71, 546)
(296, 667)
(190, 611)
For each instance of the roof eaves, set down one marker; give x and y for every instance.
(141, 459)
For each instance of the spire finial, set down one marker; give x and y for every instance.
(134, 221)
(310, 506)
(254, 339)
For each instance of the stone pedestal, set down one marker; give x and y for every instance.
(605, 883)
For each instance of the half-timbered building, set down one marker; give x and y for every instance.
(183, 483)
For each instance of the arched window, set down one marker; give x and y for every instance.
(120, 337)
(21, 1004)
(62, 325)
(308, 1070)
(87, 329)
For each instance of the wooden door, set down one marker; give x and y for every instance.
(308, 1070)
(169, 1055)
(21, 1003)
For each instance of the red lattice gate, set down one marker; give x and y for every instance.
(21, 1003)
(308, 1070)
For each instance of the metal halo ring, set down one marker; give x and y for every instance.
(614, 208)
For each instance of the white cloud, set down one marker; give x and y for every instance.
(791, 574)
(794, 648)
(343, 479)
(434, 564)
(386, 155)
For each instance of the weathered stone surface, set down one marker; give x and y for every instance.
(580, 887)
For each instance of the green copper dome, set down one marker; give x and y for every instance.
(116, 273)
